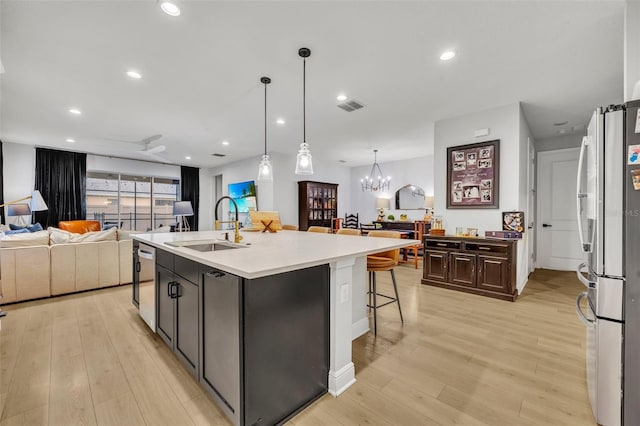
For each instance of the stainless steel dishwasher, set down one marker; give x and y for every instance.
(147, 286)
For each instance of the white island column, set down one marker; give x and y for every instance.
(341, 368)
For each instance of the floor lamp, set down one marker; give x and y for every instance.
(182, 209)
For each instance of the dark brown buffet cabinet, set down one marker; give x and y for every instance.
(473, 265)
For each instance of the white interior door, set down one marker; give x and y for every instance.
(557, 225)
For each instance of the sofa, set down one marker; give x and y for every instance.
(54, 261)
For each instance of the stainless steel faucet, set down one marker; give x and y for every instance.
(236, 224)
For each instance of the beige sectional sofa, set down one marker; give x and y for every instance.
(31, 269)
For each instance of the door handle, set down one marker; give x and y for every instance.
(581, 278)
(586, 321)
(546, 225)
(137, 266)
(216, 274)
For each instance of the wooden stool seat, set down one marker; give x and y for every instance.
(375, 263)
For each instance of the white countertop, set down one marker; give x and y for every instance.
(270, 254)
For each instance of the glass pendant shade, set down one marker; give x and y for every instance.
(265, 170)
(304, 166)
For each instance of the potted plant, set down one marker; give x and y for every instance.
(391, 217)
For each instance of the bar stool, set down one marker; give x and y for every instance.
(319, 229)
(377, 262)
(348, 231)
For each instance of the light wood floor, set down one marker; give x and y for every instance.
(458, 359)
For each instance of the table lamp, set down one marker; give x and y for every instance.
(182, 209)
(19, 210)
(381, 204)
(428, 206)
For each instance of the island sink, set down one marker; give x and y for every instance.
(205, 246)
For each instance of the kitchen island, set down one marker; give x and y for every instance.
(270, 320)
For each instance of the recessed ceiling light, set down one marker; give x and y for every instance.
(170, 8)
(134, 74)
(280, 121)
(75, 111)
(225, 143)
(561, 123)
(341, 97)
(187, 157)
(448, 55)
(70, 140)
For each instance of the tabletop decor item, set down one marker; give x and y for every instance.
(513, 221)
(473, 175)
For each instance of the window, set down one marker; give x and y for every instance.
(137, 203)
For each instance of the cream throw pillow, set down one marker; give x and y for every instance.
(58, 236)
(39, 238)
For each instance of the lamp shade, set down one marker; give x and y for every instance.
(428, 202)
(18, 210)
(182, 208)
(37, 204)
(383, 203)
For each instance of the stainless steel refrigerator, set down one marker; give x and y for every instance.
(608, 207)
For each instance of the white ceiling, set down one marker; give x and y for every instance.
(201, 72)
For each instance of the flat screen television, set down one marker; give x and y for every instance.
(244, 194)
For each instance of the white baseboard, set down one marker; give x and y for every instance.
(359, 328)
(339, 381)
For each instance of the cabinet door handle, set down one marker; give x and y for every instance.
(173, 285)
(137, 266)
(169, 289)
(484, 248)
(216, 274)
(178, 290)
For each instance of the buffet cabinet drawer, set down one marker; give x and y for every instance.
(487, 247)
(442, 244)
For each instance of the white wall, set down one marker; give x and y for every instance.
(19, 164)
(560, 142)
(504, 123)
(281, 194)
(524, 248)
(416, 171)
(99, 163)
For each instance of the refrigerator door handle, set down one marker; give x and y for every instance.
(586, 321)
(586, 247)
(585, 282)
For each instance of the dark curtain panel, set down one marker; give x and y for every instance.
(61, 178)
(1, 185)
(190, 191)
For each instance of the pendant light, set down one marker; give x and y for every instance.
(375, 180)
(303, 161)
(265, 170)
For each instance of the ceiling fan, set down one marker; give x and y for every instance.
(147, 149)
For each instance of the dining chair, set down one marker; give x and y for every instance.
(379, 262)
(419, 229)
(351, 221)
(348, 231)
(290, 227)
(319, 229)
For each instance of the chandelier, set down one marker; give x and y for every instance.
(375, 181)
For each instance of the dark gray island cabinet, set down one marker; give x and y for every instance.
(259, 346)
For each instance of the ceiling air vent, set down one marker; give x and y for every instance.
(219, 155)
(350, 105)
